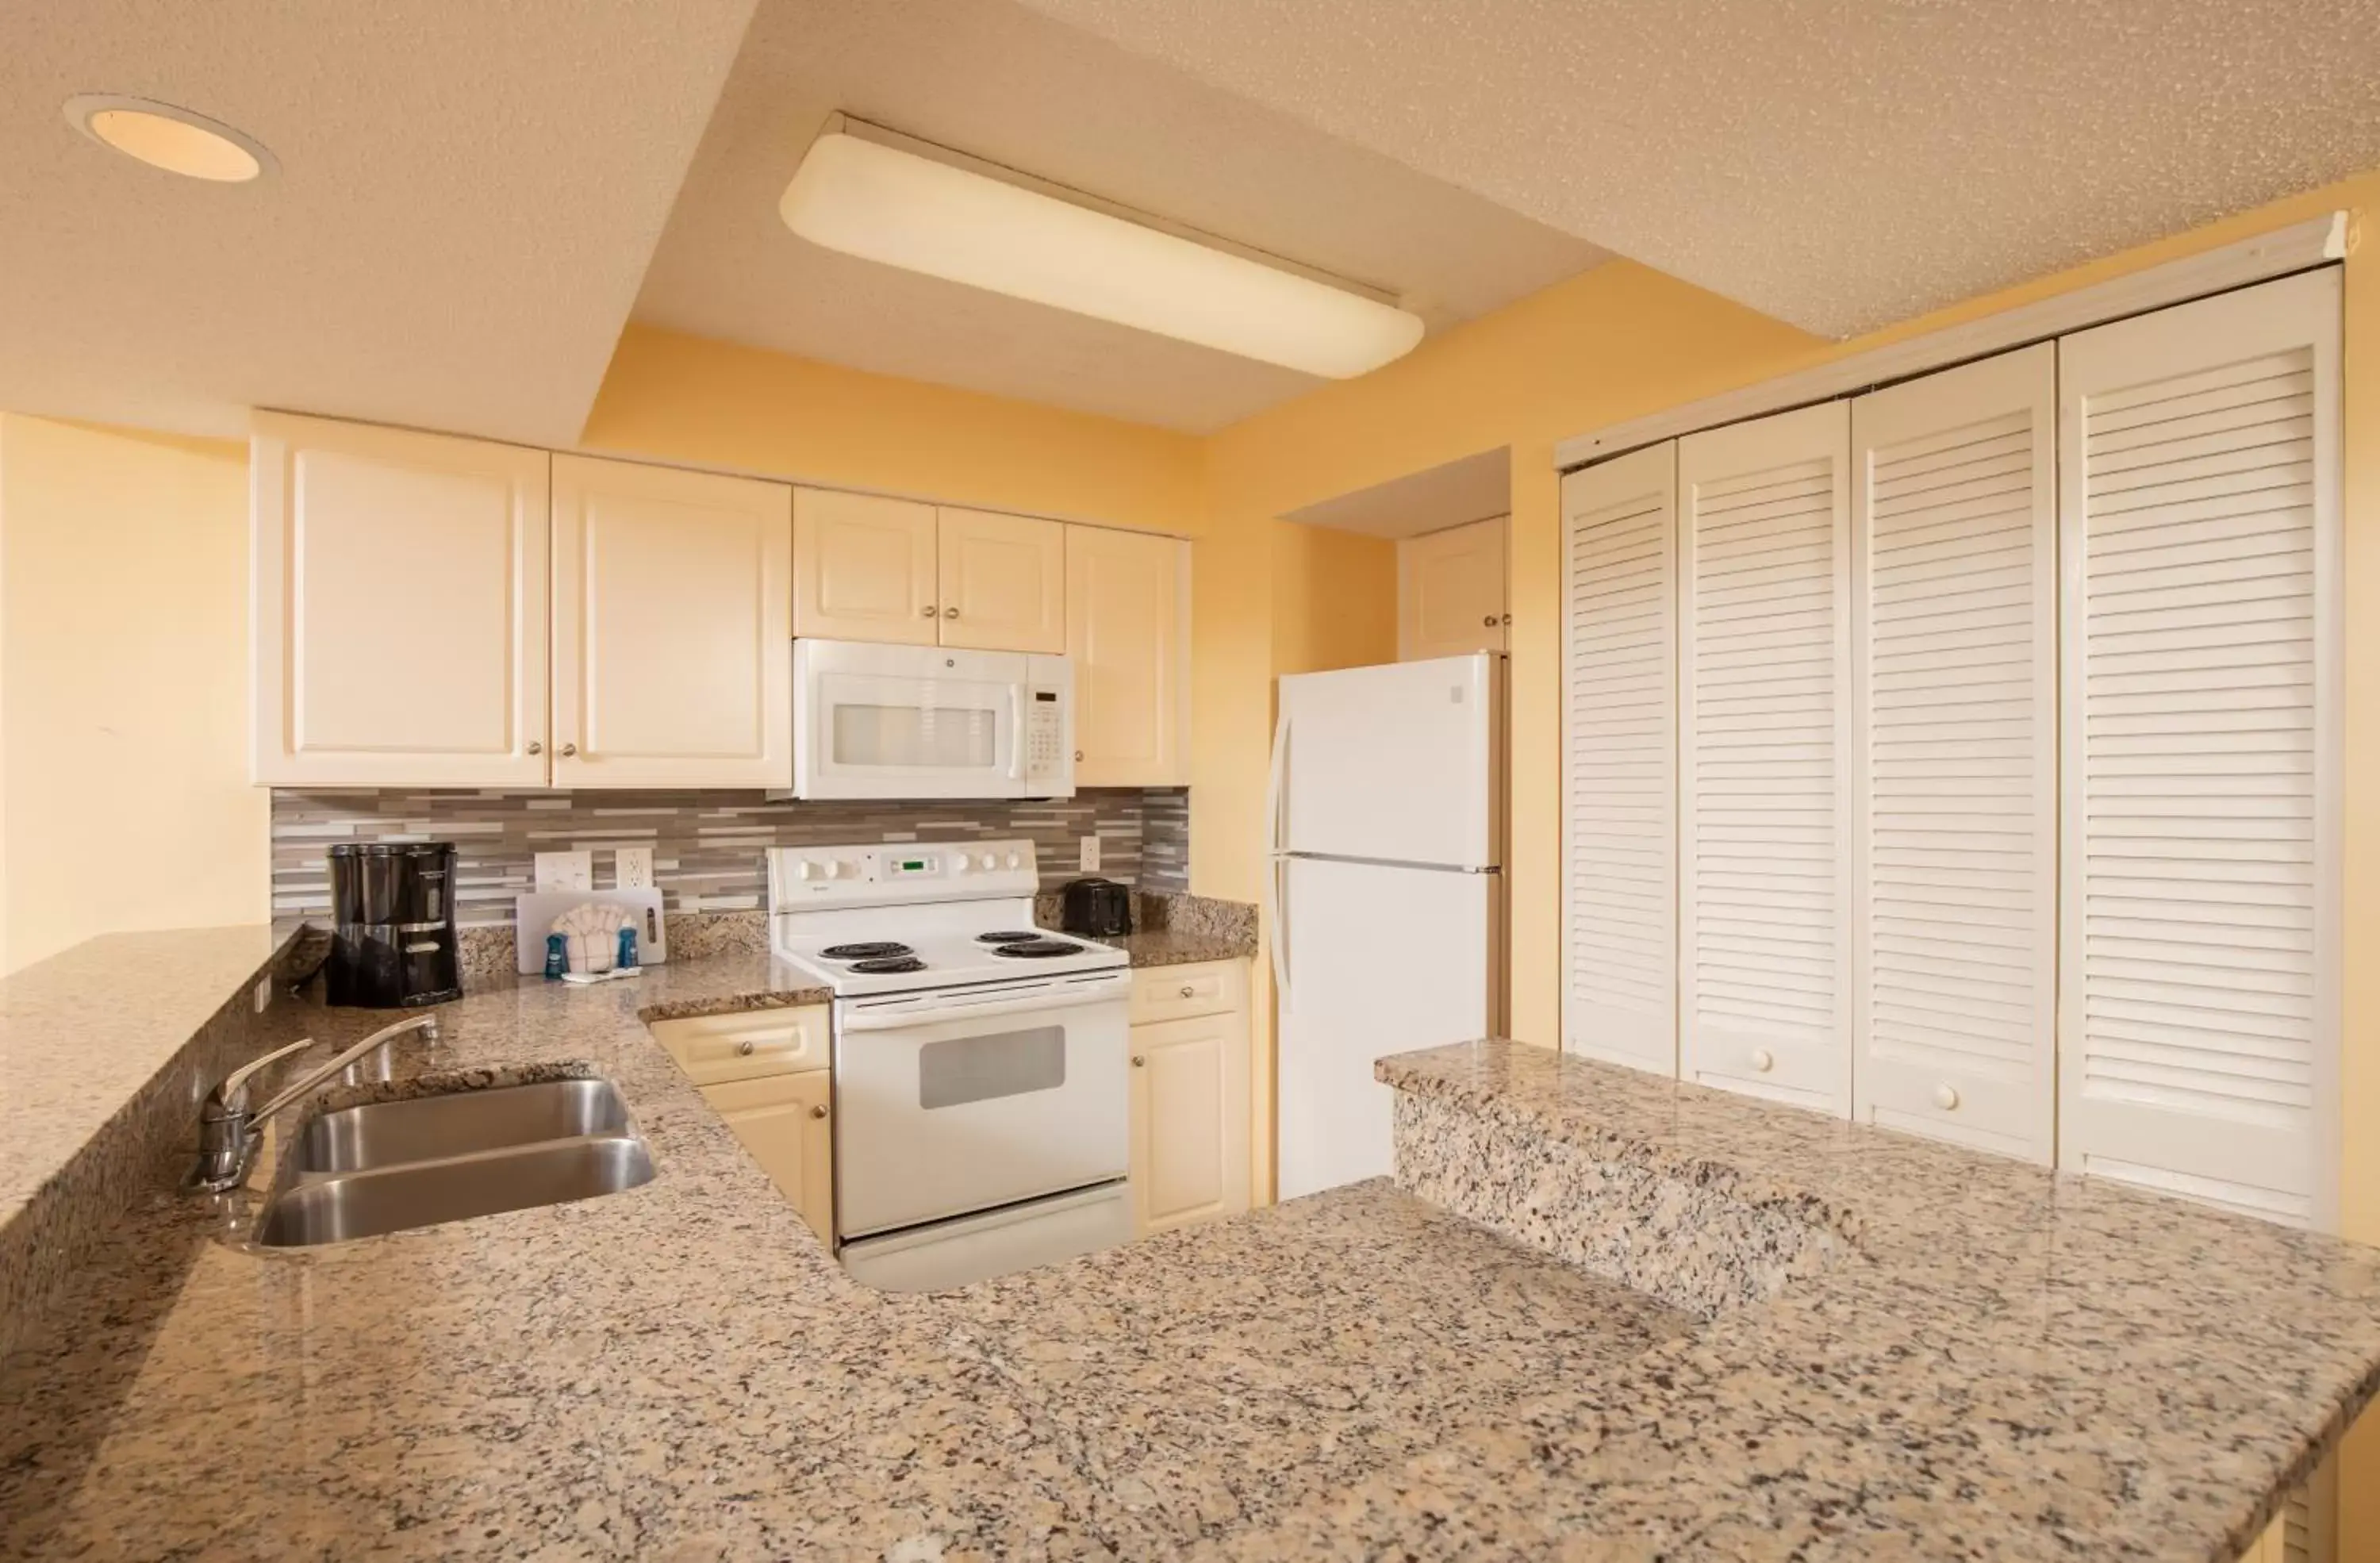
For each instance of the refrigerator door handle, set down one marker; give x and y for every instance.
(1273, 783)
(1276, 897)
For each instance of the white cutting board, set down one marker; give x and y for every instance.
(536, 911)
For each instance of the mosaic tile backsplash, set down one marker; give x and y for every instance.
(706, 846)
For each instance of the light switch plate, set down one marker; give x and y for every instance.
(566, 871)
(633, 867)
(1090, 855)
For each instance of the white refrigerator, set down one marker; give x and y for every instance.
(1387, 894)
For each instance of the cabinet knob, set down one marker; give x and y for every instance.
(926, 611)
(1490, 621)
(744, 1048)
(1140, 1061)
(568, 750)
(1188, 991)
(1946, 1097)
(1078, 756)
(950, 612)
(535, 747)
(1763, 1060)
(818, 1112)
(1507, 619)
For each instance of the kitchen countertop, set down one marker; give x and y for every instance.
(681, 1370)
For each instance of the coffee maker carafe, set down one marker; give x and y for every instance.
(393, 938)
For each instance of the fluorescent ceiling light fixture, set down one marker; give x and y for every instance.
(881, 204)
(175, 140)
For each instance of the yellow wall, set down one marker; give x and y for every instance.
(1334, 599)
(123, 688)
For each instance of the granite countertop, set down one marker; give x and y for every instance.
(1911, 1349)
(681, 1370)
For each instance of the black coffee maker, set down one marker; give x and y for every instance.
(393, 939)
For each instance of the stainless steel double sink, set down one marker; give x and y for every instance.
(393, 1165)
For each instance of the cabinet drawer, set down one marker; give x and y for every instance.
(1165, 993)
(747, 1045)
(1805, 1073)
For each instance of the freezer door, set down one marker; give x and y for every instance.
(1396, 763)
(1372, 961)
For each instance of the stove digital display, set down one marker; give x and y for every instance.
(902, 866)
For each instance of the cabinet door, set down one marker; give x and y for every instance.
(673, 627)
(1003, 581)
(1620, 727)
(785, 1121)
(1127, 631)
(398, 603)
(1763, 747)
(1451, 592)
(864, 568)
(2199, 452)
(1189, 1123)
(1954, 773)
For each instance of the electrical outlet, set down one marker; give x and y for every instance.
(1090, 855)
(632, 867)
(566, 871)
(263, 994)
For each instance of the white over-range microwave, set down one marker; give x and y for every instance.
(929, 722)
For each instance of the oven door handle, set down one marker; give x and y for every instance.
(897, 1017)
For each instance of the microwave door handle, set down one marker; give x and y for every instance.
(1017, 732)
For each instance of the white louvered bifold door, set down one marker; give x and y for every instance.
(1954, 574)
(2198, 1022)
(1619, 763)
(1763, 739)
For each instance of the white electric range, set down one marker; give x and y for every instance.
(981, 1063)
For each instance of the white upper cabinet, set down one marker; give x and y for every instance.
(1955, 776)
(1450, 599)
(398, 608)
(864, 568)
(673, 627)
(2199, 1021)
(1620, 730)
(1003, 581)
(1127, 631)
(1765, 745)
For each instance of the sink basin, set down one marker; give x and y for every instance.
(423, 1193)
(393, 1165)
(458, 1124)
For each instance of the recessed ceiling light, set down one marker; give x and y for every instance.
(175, 140)
(921, 213)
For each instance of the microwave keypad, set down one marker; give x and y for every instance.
(1044, 749)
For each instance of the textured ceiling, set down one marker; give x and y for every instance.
(1837, 163)
(466, 201)
(991, 78)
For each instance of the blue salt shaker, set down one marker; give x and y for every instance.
(558, 957)
(628, 960)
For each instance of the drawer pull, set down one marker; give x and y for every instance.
(1188, 991)
(744, 1048)
(1946, 1097)
(818, 1112)
(1763, 1060)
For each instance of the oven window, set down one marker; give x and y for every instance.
(980, 1069)
(937, 737)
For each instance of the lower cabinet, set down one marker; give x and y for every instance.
(765, 1072)
(1189, 1095)
(786, 1122)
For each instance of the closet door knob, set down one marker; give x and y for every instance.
(1139, 1061)
(818, 1112)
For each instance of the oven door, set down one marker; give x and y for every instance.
(958, 1101)
(907, 721)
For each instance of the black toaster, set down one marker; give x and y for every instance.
(1096, 908)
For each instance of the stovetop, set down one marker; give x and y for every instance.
(905, 916)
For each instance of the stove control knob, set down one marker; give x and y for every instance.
(837, 869)
(990, 860)
(806, 870)
(1015, 860)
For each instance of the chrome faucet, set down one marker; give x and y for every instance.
(228, 1132)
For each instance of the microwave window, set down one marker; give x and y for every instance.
(916, 737)
(980, 1069)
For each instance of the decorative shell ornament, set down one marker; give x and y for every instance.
(590, 932)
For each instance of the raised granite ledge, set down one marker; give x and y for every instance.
(2004, 1360)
